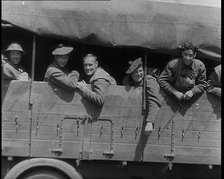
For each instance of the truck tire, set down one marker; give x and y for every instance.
(43, 173)
(46, 166)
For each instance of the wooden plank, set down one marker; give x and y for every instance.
(10, 116)
(15, 147)
(42, 148)
(53, 129)
(49, 118)
(195, 134)
(197, 143)
(13, 135)
(11, 126)
(210, 126)
(132, 154)
(198, 159)
(188, 151)
(163, 132)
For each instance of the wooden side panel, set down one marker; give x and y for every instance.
(46, 136)
(67, 126)
(198, 131)
(15, 120)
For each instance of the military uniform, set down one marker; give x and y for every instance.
(214, 82)
(60, 76)
(153, 96)
(100, 83)
(179, 76)
(11, 71)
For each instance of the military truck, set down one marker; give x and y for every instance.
(50, 133)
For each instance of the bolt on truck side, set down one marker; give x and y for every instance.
(47, 132)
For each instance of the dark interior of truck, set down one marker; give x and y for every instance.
(113, 59)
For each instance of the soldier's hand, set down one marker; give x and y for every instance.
(74, 73)
(178, 95)
(188, 95)
(81, 85)
(148, 128)
(23, 76)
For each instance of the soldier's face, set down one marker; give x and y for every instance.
(61, 60)
(138, 74)
(90, 65)
(15, 56)
(188, 56)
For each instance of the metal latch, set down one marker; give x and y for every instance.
(57, 151)
(108, 154)
(17, 123)
(170, 158)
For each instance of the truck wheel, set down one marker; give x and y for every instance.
(40, 168)
(43, 173)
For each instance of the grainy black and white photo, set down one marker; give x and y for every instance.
(111, 89)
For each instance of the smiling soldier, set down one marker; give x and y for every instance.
(11, 66)
(184, 77)
(135, 77)
(99, 79)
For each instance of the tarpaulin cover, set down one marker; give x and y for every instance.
(154, 25)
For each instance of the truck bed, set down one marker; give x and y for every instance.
(64, 125)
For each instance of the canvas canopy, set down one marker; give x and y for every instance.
(154, 25)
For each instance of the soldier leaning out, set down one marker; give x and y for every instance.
(58, 74)
(214, 82)
(135, 77)
(99, 79)
(11, 64)
(184, 77)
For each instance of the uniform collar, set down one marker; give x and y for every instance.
(54, 64)
(17, 67)
(134, 83)
(191, 65)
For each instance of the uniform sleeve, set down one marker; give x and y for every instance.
(98, 93)
(200, 82)
(166, 77)
(213, 84)
(153, 99)
(9, 74)
(59, 78)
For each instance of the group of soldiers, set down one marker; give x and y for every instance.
(182, 77)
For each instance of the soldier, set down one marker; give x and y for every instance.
(58, 74)
(214, 82)
(184, 77)
(11, 68)
(99, 79)
(135, 77)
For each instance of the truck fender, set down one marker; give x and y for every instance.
(25, 165)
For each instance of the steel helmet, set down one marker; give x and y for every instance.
(15, 46)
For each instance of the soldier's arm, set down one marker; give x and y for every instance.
(8, 74)
(98, 92)
(213, 84)
(201, 82)
(166, 77)
(59, 78)
(153, 99)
